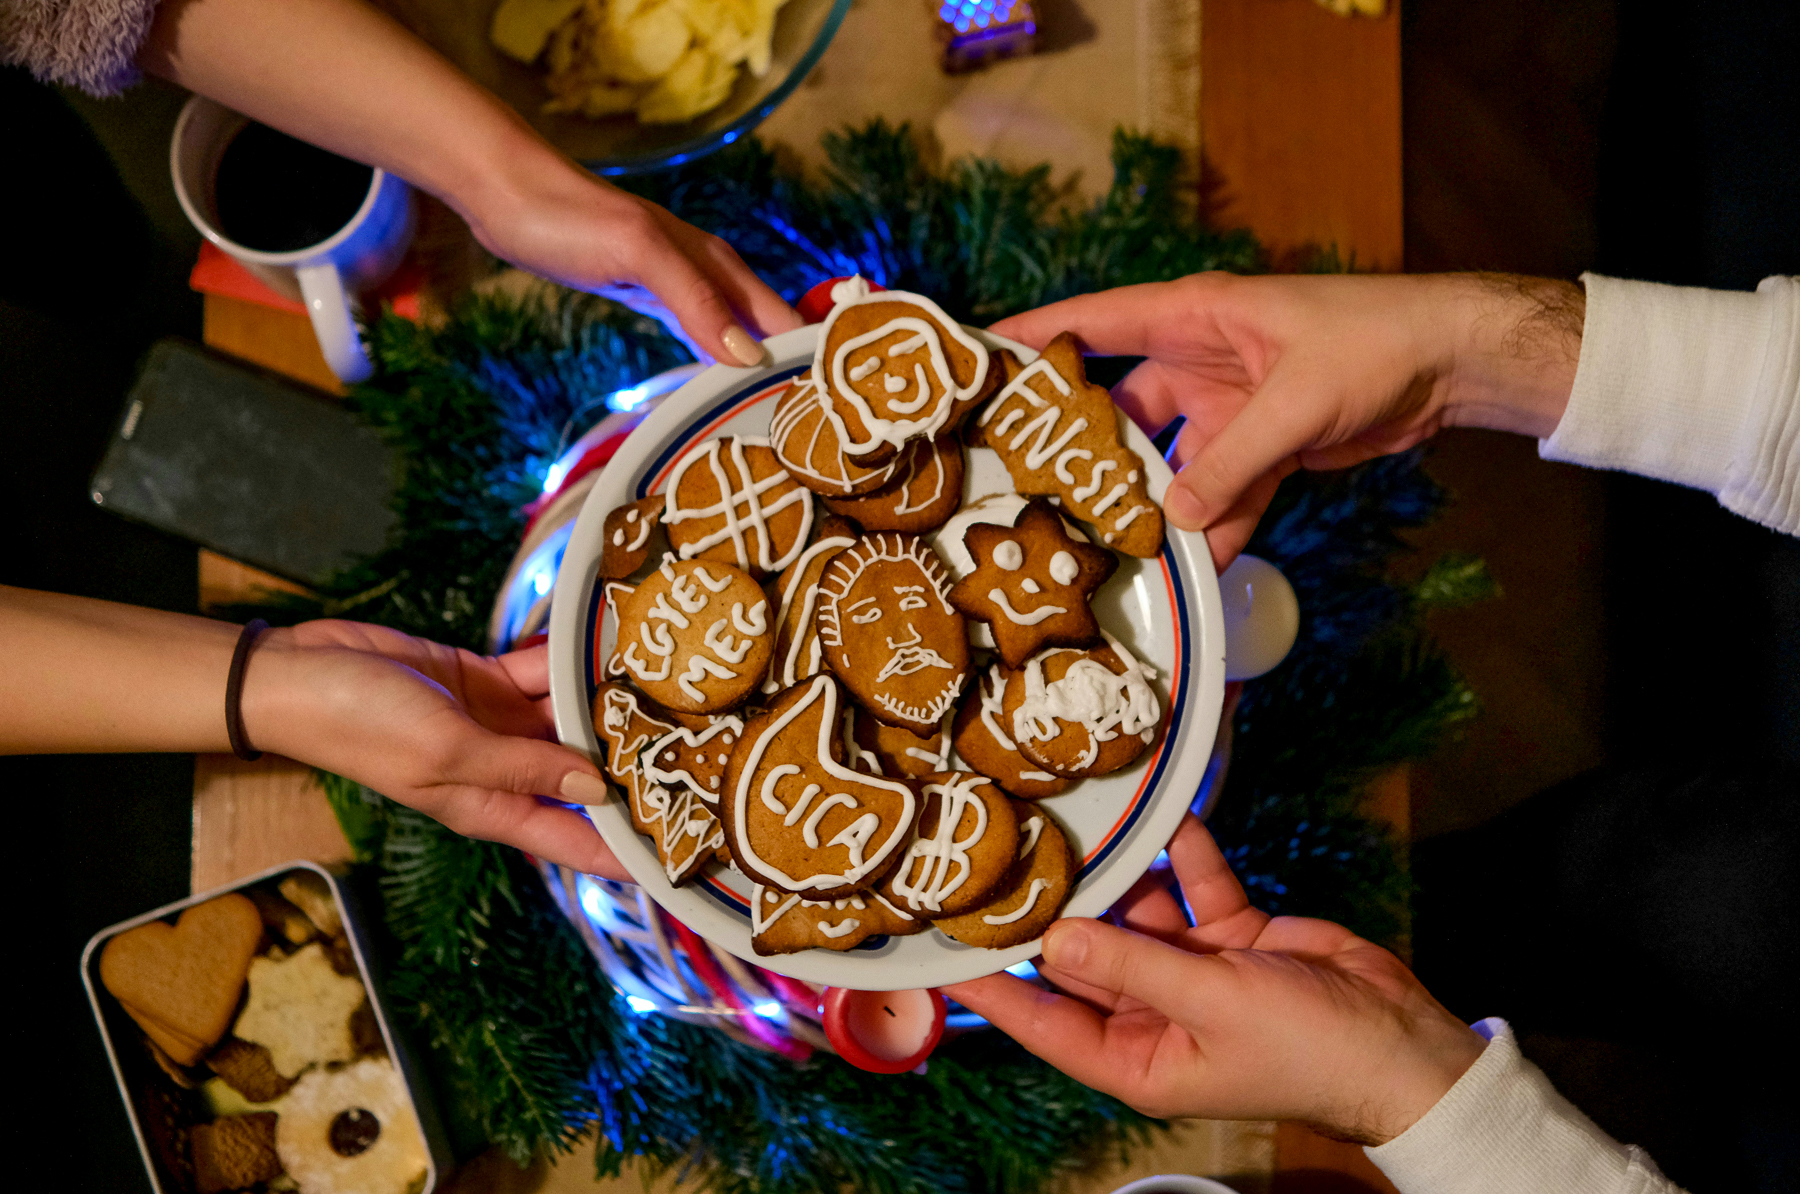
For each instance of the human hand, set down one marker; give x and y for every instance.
(1279, 373)
(1239, 1016)
(458, 736)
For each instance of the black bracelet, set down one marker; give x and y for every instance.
(234, 693)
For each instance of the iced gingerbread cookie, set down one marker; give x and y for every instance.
(1029, 897)
(696, 635)
(1082, 713)
(731, 500)
(797, 651)
(625, 723)
(677, 804)
(926, 490)
(967, 840)
(1032, 583)
(888, 631)
(806, 441)
(628, 537)
(351, 1131)
(889, 750)
(796, 817)
(1059, 434)
(785, 924)
(892, 368)
(983, 740)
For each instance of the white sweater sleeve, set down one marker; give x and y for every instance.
(1699, 387)
(1503, 1129)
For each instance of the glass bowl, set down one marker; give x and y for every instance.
(458, 29)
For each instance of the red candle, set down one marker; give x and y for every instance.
(883, 1032)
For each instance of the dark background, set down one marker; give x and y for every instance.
(1636, 924)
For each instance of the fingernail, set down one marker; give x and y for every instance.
(1184, 509)
(1066, 945)
(583, 788)
(743, 346)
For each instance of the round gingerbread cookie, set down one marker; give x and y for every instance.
(807, 444)
(784, 924)
(925, 490)
(889, 633)
(1082, 713)
(351, 1131)
(696, 635)
(1031, 895)
(983, 742)
(889, 750)
(967, 839)
(731, 500)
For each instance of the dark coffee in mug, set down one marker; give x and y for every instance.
(276, 193)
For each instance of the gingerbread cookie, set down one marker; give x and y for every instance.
(181, 982)
(1032, 583)
(889, 750)
(797, 818)
(982, 740)
(235, 1152)
(892, 367)
(695, 636)
(626, 536)
(248, 1069)
(967, 840)
(731, 500)
(926, 490)
(1059, 434)
(784, 924)
(299, 1008)
(1083, 713)
(889, 632)
(807, 444)
(797, 651)
(625, 725)
(1031, 895)
(352, 1131)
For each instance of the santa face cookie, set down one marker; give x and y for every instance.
(967, 840)
(892, 368)
(796, 817)
(1032, 583)
(889, 750)
(983, 740)
(1031, 895)
(926, 490)
(1060, 435)
(889, 632)
(806, 441)
(797, 651)
(695, 636)
(784, 924)
(731, 500)
(1083, 713)
(628, 537)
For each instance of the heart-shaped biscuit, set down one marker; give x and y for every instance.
(181, 982)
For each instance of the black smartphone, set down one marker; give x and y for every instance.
(249, 463)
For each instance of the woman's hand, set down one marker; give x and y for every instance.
(458, 736)
(1238, 1016)
(1279, 373)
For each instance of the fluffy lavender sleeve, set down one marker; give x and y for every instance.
(88, 44)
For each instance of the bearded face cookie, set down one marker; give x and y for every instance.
(807, 443)
(892, 367)
(925, 490)
(967, 840)
(797, 651)
(695, 636)
(799, 820)
(1058, 434)
(889, 632)
(1031, 895)
(627, 537)
(983, 740)
(889, 750)
(1032, 583)
(731, 500)
(1083, 713)
(786, 924)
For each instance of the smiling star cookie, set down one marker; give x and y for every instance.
(799, 820)
(807, 443)
(695, 636)
(1029, 897)
(797, 651)
(731, 500)
(984, 742)
(1059, 434)
(1031, 584)
(626, 537)
(893, 367)
(967, 840)
(784, 924)
(888, 631)
(926, 490)
(1082, 713)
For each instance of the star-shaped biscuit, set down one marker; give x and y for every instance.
(1031, 584)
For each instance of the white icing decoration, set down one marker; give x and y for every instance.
(790, 414)
(867, 367)
(998, 597)
(660, 609)
(1062, 463)
(698, 668)
(744, 491)
(1009, 555)
(720, 642)
(693, 740)
(1063, 568)
(644, 530)
(993, 699)
(909, 656)
(1030, 586)
(1032, 828)
(618, 536)
(1037, 885)
(706, 578)
(786, 677)
(868, 615)
(1090, 695)
(841, 928)
(1112, 495)
(892, 384)
(943, 857)
(850, 289)
(1129, 517)
(1041, 776)
(929, 453)
(757, 623)
(1084, 492)
(810, 831)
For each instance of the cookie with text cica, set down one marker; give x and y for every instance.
(983, 739)
(731, 500)
(1031, 895)
(1031, 584)
(695, 636)
(1082, 713)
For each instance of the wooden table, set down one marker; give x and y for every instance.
(1299, 137)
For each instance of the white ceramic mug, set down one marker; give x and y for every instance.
(326, 277)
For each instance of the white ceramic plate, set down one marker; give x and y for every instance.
(1166, 610)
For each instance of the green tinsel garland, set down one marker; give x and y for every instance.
(532, 1045)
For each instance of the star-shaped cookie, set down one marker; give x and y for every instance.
(1031, 583)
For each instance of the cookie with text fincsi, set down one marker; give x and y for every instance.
(181, 982)
(797, 651)
(1059, 435)
(785, 924)
(1032, 583)
(926, 490)
(676, 799)
(983, 739)
(890, 633)
(629, 536)
(731, 500)
(1082, 713)
(890, 750)
(796, 817)
(696, 635)
(1031, 895)
(807, 443)
(967, 840)
(892, 368)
